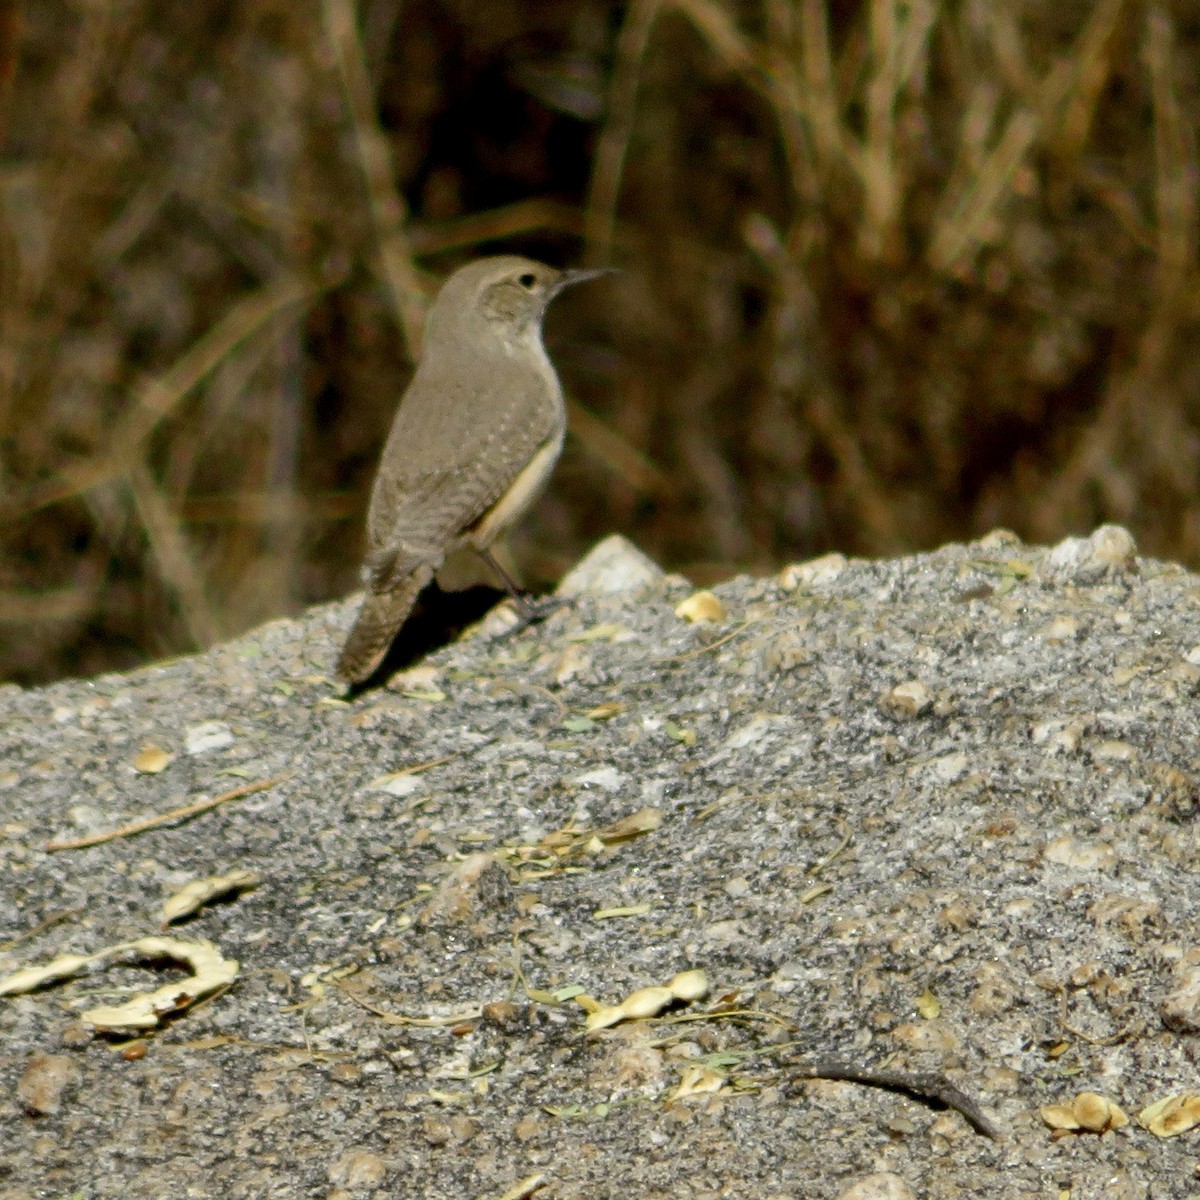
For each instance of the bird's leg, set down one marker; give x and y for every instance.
(531, 611)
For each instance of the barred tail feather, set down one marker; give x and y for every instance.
(378, 621)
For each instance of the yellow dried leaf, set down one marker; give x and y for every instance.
(625, 910)
(689, 985)
(701, 606)
(195, 895)
(696, 1081)
(603, 1017)
(64, 966)
(646, 1002)
(1087, 1111)
(151, 759)
(928, 1005)
(1097, 1113)
(1172, 1115)
(210, 973)
(1059, 1116)
(601, 633)
(645, 820)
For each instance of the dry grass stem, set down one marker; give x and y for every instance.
(175, 814)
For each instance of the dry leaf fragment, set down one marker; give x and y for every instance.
(609, 632)
(1098, 1113)
(928, 1005)
(689, 985)
(152, 759)
(647, 1002)
(63, 967)
(697, 1081)
(701, 606)
(1172, 1115)
(645, 820)
(1087, 1111)
(681, 734)
(211, 972)
(624, 910)
(193, 896)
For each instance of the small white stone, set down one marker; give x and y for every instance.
(1111, 548)
(403, 785)
(1067, 852)
(358, 1169)
(1061, 629)
(607, 779)
(1113, 751)
(999, 539)
(881, 1186)
(909, 699)
(209, 735)
(753, 731)
(612, 566)
(1113, 545)
(814, 573)
(949, 768)
(1058, 735)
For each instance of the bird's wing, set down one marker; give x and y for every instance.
(453, 452)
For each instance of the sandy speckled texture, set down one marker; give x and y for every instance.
(935, 814)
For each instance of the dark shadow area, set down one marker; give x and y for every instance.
(438, 618)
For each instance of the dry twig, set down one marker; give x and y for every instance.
(176, 814)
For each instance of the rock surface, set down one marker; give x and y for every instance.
(935, 814)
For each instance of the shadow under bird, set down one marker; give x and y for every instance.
(474, 441)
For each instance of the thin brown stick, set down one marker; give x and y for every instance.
(176, 814)
(929, 1086)
(635, 468)
(389, 214)
(613, 146)
(526, 1187)
(395, 1018)
(710, 646)
(56, 604)
(158, 398)
(176, 564)
(50, 921)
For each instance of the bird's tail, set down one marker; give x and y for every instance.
(378, 621)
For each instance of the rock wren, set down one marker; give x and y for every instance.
(475, 439)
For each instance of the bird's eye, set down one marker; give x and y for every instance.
(527, 280)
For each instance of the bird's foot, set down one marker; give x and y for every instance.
(531, 610)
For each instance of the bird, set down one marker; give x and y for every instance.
(474, 441)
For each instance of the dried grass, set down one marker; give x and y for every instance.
(893, 272)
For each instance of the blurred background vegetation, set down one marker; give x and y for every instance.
(893, 272)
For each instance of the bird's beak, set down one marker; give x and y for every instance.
(570, 278)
